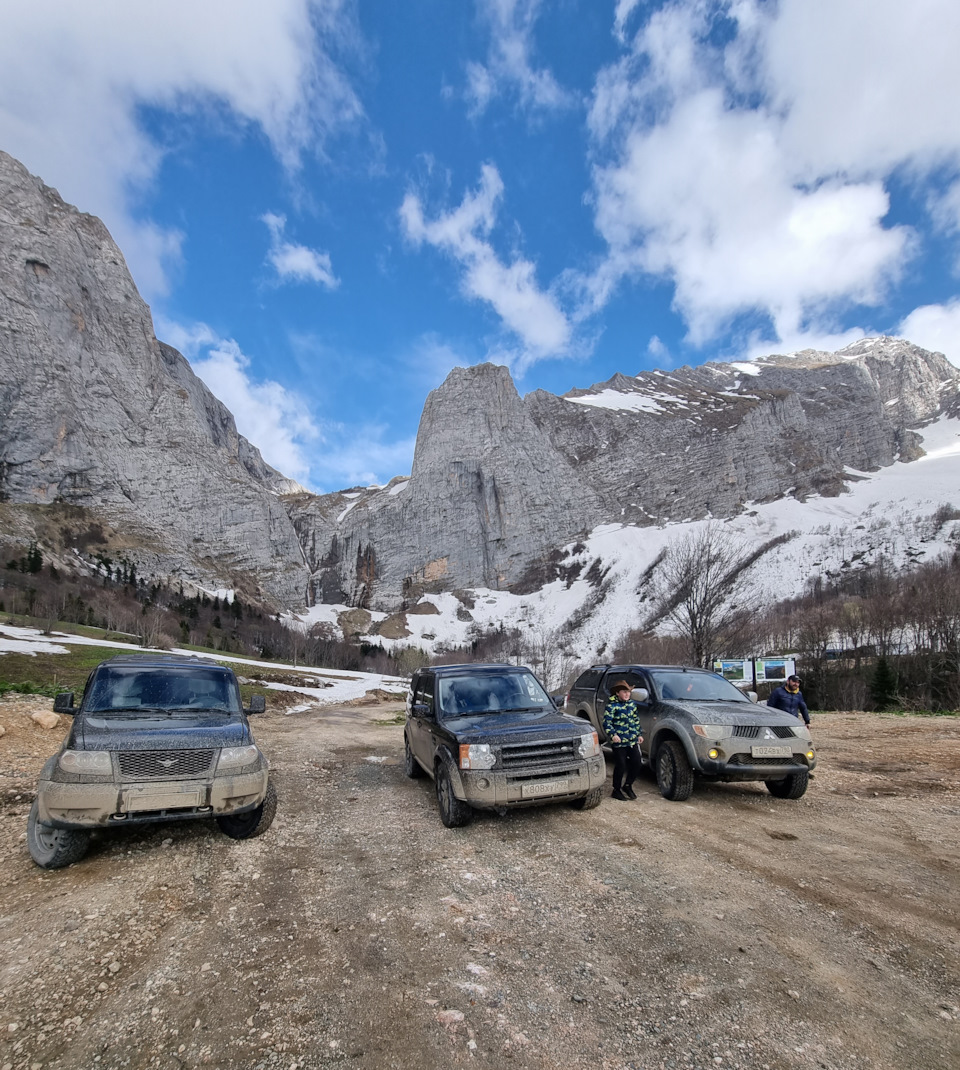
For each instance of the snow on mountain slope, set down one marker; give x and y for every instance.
(887, 513)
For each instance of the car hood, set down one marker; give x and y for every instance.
(727, 713)
(194, 731)
(514, 725)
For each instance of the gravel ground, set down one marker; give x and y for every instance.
(735, 930)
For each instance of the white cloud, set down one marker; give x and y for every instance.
(276, 420)
(297, 262)
(753, 174)
(74, 76)
(509, 66)
(509, 288)
(363, 458)
(935, 327)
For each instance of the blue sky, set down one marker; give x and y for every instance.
(329, 204)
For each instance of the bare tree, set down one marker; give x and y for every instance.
(700, 588)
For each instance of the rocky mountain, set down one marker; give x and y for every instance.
(98, 416)
(95, 412)
(500, 483)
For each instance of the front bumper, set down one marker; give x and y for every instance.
(97, 805)
(735, 763)
(497, 789)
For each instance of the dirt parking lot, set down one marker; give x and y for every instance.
(735, 930)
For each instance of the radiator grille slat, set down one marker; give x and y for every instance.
(545, 753)
(164, 764)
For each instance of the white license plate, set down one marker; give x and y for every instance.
(171, 800)
(771, 752)
(545, 787)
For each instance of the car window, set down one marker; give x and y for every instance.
(131, 688)
(589, 679)
(424, 693)
(634, 679)
(490, 693)
(675, 685)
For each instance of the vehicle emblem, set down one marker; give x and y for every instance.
(767, 734)
(167, 762)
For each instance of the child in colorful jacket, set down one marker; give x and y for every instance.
(621, 724)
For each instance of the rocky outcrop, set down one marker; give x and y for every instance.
(499, 484)
(95, 412)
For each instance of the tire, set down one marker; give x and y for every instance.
(674, 775)
(410, 764)
(588, 801)
(253, 822)
(790, 787)
(454, 812)
(53, 848)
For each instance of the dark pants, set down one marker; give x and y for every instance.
(626, 760)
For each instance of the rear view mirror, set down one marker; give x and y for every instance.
(257, 704)
(753, 696)
(639, 694)
(63, 703)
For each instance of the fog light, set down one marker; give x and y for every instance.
(809, 755)
(483, 783)
(713, 752)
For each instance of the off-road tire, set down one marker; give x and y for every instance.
(674, 775)
(254, 822)
(53, 848)
(454, 812)
(410, 764)
(789, 787)
(588, 801)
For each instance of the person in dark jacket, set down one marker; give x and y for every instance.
(621, 723)
(789, 698)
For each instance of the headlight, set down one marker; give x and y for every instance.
(713, 731)
(476, 756)
(589, 745)
(802, 731)
(92, 762)
(231, 757)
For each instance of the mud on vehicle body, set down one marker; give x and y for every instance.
(697, 725)
(492, 738)
(155, 738)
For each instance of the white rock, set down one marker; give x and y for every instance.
(45, 718)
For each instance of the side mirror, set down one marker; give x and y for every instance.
(753, 696)
(559, 700)
(420, 709)
(63, 703)
(639, 694)
(257, 704)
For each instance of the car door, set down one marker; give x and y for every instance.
(422, 720)
(635, 678)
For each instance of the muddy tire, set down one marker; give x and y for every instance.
(790, 787)
(588, 801)
(410, 764)
(253, 822)
(454, 812)
(53, 848)
(674, 775)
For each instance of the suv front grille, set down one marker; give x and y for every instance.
(531, 755)
(751, 731)
(748, 759)
(164, 764)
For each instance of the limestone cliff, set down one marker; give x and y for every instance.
(94, 411)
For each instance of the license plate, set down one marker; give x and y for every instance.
(771, 752)
(545, 787)
(171, 800)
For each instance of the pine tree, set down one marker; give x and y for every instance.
(883, 685)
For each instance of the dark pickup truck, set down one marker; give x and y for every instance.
(155, 738)
(696, 724)
(493, 739)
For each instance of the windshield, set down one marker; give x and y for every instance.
(191, 688)
(491, 693)
(695, 687)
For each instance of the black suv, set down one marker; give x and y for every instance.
(492, 738)
(155, 738)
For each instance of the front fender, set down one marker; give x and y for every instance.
(589, 713)
(442, 756)
(670, 728)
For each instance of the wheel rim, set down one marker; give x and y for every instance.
(47, 837)
(443, 791)
(665, 769)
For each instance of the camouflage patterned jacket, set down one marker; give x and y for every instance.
(621, 719)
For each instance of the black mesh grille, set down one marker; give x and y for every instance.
(748, 759)
(164, 764)
(532, 755)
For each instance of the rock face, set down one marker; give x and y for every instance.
(500, 483)
(94, 411)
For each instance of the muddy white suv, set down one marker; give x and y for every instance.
(155, 738)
